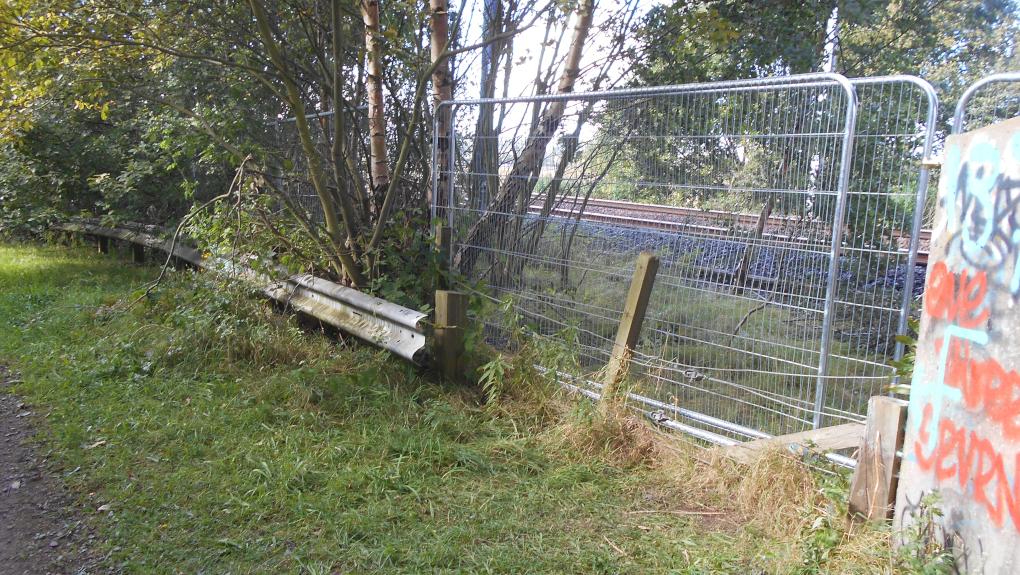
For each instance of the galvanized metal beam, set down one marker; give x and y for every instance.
(392, 327)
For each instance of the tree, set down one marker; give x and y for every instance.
(952, 43)
(230, 72)
(520, 182)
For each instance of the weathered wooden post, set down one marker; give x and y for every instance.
(449, 329)
(138, 253)
(444, 238)
(873, 485)
(630, 323)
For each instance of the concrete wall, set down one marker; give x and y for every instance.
(963, 426)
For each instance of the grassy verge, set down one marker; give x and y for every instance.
(212, 435)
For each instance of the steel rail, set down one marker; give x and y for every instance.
(392, 327)
(708, 215)
(924, 236)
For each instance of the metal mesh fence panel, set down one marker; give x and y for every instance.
(884, 251)
(785, 239)
(991, 99)
(291, 162)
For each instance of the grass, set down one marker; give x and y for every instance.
(211, 435)
(694, 321)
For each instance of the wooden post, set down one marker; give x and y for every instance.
(451, 320)
(873, 485)
(444, 239)
(104, 244)
(138, 253)
(630, 323)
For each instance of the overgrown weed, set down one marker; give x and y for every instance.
(215, 317)
(236, 441)
(798, 504)
(614, 433)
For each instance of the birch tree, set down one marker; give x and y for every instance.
(519, 184)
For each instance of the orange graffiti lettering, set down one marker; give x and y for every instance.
(923, 438)
(957, 298)
(963, 455)
(987, 386)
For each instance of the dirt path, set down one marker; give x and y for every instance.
(40, 531)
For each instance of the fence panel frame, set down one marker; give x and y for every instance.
(447, 201)
(960, 115)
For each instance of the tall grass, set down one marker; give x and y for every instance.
(205, 431)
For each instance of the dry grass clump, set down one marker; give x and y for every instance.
(612, 432)
(785, 499)
(779, 497)
(865, 548)
(776, 493)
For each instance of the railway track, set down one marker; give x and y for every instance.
(708, 223)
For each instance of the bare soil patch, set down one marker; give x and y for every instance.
(41, 530)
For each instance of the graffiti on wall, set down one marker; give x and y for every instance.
(982, 216)
(963, 436)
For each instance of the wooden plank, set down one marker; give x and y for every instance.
(873, 485)
(451, 319)
(845, 436)
(630, 323)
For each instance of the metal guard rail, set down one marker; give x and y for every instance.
(392, 327)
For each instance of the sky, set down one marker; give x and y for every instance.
(527, 49)
(527, 46)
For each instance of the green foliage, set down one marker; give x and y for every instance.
(953, 42)
(235, 442)
(46, 171)
(517, 376)
(492, 376)
(950, 43)
(72, 163)
(922, 551)
(93, 127)
(247, 227)
(723, 39)
(904, 367)
(829, 528)
(408, 268)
